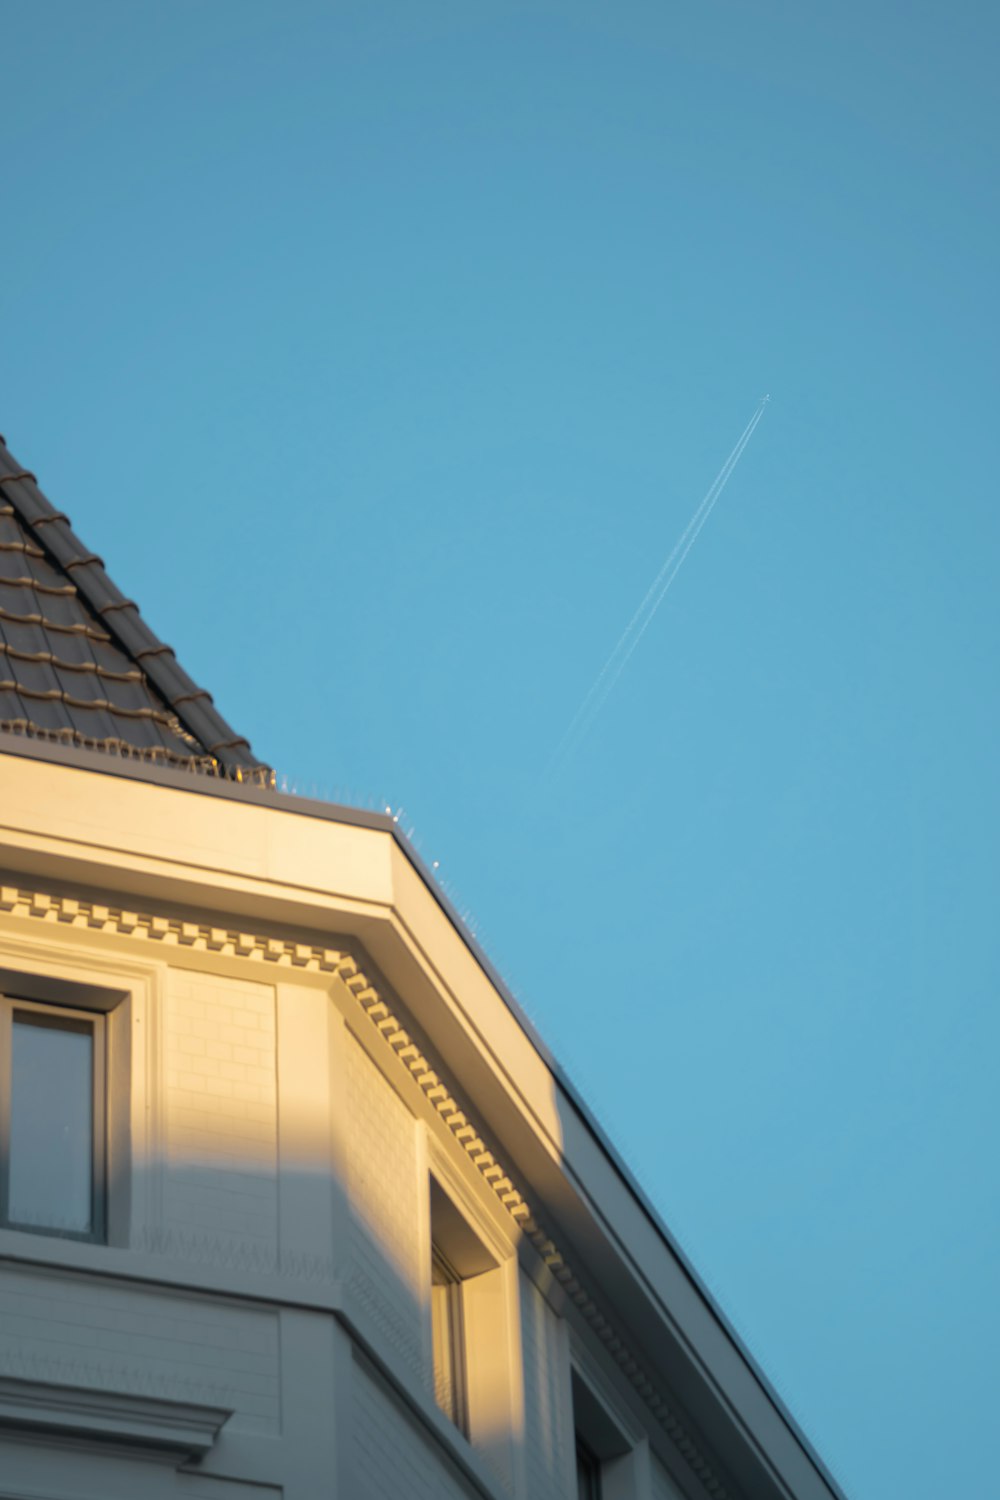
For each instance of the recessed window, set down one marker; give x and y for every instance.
(448, 1335)
(605, 1458)
(466, 1300)
(52, 1110)
(588, 1472)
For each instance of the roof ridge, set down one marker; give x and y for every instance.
(120, 617)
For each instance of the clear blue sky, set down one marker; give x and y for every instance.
(383, 350)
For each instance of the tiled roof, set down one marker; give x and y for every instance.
(78, 664)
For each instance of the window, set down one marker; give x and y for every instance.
(52, 1112)
(448, 1336)
(605, 1452)
(468, 1306)
(588, 1472)
(472, 1333)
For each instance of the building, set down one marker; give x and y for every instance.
(293, 1202)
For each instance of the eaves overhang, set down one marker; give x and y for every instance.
(401, 916)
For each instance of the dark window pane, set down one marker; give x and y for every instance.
(51, 1123)
(588, 1473)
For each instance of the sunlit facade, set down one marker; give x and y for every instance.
(293, 1203)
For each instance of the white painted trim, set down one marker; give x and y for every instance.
(171, 1429)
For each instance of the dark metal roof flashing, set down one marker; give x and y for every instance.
(79, 665)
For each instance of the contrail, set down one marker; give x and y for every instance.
(602, 686)
(694, 523)
(668, 573)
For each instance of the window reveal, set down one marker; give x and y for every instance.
(468, 1343)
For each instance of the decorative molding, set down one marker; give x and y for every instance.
(23, 1368)
(375, 1005)
(205, 1249)
(67, 911)
(171, 1429)
(226, 1253)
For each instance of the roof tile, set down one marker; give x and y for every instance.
(78, 662)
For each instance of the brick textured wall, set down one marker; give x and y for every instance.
(392, 1457)
(548, 1440)
(386, 1209)
(66, 1329)
(220, 1120)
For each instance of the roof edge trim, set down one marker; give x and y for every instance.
(234, 786)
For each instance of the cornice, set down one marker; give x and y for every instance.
(381, 1011)
(172, 1428)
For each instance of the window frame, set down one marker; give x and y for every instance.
(459, 1258)
(448, 1335)
(615, 1447)
(477, 1244)
(94, 1022)
(588, 1470)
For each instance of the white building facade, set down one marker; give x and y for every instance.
(293, 1203)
